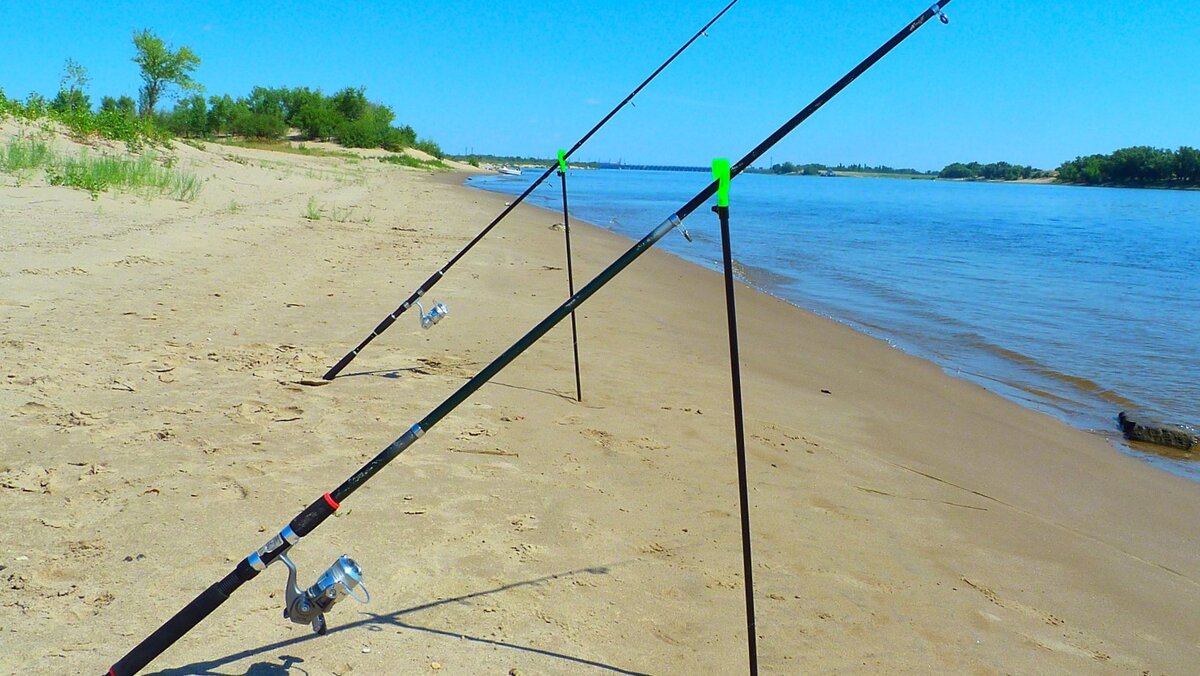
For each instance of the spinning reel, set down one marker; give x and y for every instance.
(309, 606)
(435, 314)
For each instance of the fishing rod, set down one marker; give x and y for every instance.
(721, 174)
(437, 276)
(345, 576)
(562, 177)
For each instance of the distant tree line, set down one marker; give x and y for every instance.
(995, 171)
(816, 169)
(475, 159)
(266, 113)
(1138, 165)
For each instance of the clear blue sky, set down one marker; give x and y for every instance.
(1027, 82)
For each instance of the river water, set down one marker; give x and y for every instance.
(1080, 302)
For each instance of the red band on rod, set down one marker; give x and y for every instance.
(332, 503)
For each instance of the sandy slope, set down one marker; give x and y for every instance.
(154, 434)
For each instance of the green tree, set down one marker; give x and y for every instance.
(351, 103)
(190, 117)
(265, 125)
(162, 69)
(297, 98)
(266, 101)
(124, 105)
(1187, 164)
(220, 114)
(1092, 170)
(71, 96)
(426, 145)
(371, 129)
(316, 118)
(960, 170)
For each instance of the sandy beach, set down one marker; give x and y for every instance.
(154, 432)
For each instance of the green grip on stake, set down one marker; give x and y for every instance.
(720, 169)
(562, 161)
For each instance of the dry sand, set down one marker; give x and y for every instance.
(154, 434)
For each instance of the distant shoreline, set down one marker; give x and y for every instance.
(1047, 180)
(1026, 181)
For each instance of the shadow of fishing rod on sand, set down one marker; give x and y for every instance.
(373, 622)
(397, 373)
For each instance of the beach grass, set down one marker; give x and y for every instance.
(285, 147)
(415, 163)
(312, 211)
(22, 155)
(97, 174)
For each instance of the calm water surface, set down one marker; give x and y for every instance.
(1079, 302)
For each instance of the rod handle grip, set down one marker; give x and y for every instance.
(313, 515)
(337, 368)
(171, 630)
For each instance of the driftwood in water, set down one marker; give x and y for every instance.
(1139, 428)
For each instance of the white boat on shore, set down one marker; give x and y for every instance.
(509, 171)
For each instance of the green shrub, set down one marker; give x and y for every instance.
(427, 146)
(258, 125)
(70, 100)
(361, 133)
(317, 119)
(351, 103)
(399, 138)
(35, 107)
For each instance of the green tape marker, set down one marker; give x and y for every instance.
(721, 173)
(562, 161)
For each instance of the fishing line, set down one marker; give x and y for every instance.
(344, 576)
(437, 276)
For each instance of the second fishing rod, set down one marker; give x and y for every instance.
(438, 311)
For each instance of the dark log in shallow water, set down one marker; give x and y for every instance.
(1139, 428)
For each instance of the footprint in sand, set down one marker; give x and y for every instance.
(46, 414)
(648, 444)
(130, 261)
(599, 436)
(34, 479)
(1065, 640)
(524, 522)
(260, 412)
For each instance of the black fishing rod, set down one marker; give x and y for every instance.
(344, 577)
(562, 176)
(440, 310)
(721, 174)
